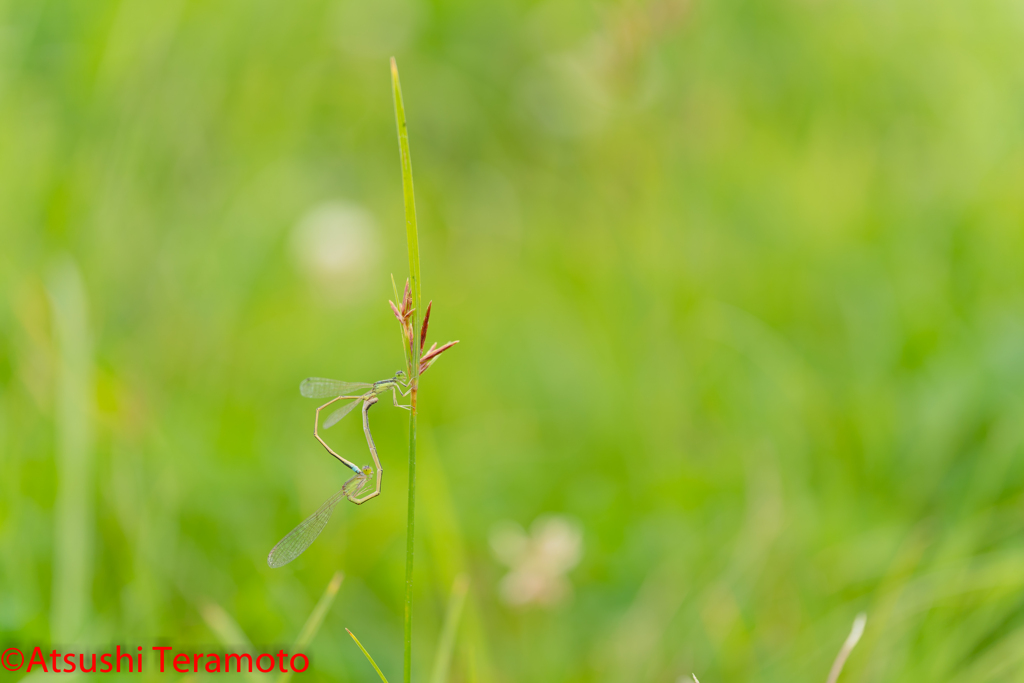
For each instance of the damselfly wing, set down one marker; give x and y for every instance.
(300, 538)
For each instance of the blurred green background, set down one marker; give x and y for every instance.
(738, 285)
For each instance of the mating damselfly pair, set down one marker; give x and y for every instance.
(359, 393)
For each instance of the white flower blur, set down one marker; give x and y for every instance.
(538, 561)
(335, 245)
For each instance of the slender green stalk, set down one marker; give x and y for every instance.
(409, 542)
(368, 656)
(412, 240)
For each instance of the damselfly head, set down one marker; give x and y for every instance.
(367, 470)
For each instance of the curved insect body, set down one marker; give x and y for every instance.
(368, 401)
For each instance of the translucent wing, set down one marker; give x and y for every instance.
(299, 538)
(320, 387)
(335, 417)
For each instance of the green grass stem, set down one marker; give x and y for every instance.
(412, 240)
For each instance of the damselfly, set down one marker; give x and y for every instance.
(320, 387)
(299, 538)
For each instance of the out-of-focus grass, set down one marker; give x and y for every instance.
(73, 507)
(738, 287)
(449, 631)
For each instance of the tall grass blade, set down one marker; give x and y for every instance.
(446, 644)
(412, 242)
(411, 231)
(73, 508)
(316, 618)
(377, 668)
